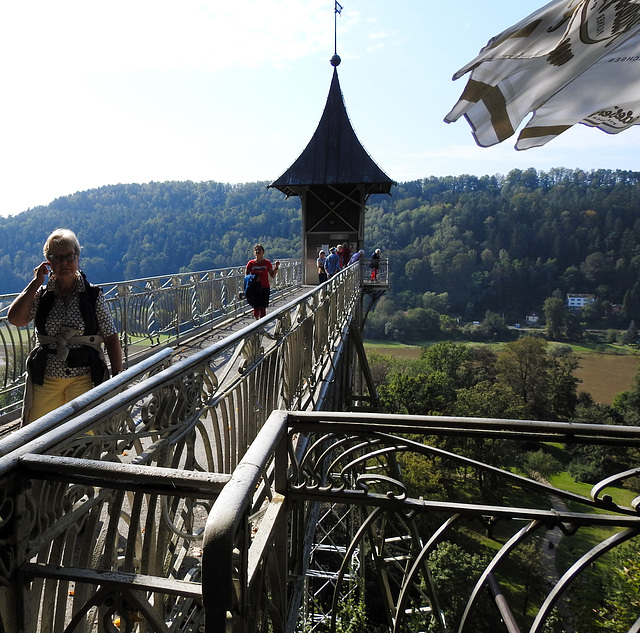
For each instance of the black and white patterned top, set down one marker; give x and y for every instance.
(68, 314)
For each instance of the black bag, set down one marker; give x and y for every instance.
(252, 288)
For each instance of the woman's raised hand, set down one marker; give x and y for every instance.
(40, 272)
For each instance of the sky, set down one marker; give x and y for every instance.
(133, 91)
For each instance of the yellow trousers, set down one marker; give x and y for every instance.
(55, 392)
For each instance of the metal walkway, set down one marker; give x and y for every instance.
(238, 489)
(103, 502)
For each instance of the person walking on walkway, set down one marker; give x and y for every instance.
(320, 262)
(264, 270)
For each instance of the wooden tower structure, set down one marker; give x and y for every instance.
(334, 176)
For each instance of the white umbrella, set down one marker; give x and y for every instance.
(572, 61)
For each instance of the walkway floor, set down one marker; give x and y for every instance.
(200, 341)
(221, 331)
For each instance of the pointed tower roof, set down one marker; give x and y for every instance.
(334, 155)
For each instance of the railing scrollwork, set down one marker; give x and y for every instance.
(148, 313)
(350, 460)
(103, 506)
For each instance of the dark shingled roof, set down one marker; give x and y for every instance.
(334, 155)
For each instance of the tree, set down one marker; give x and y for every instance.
(429, 385)
(422, 475)
(621, 602)
(449, 326)
(627, 403)
(596, 268)
(554, 312)
(449, 358)
(630, 304)
(563, 383)
(592, 463)
(458, 570)
(524, 366)
(423, 394)
(437, 302)
(529, 568)
(573, 328)
(493, 327)
(631, 335)
(489, 400)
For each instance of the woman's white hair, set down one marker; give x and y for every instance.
(61, 237)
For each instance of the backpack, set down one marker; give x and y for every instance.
(252, 288)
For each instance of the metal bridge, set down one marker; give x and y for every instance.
(253, 486)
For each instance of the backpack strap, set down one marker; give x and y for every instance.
(86, 355)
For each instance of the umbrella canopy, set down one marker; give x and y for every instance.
(572, 61)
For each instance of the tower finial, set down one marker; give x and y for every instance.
(335, 60)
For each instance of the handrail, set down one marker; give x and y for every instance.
(336, 467)
(87, 401)
(149, 313)
(200, 415)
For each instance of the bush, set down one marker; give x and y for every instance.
(541, 462)
(586, 473)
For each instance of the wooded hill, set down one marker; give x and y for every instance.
(500, 243)
(131, 231)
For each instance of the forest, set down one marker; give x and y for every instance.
(529, 379)
(468, 255)
(459, 246)
(141, 230)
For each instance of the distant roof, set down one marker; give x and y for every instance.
(334, 155)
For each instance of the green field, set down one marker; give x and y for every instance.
(605, 370)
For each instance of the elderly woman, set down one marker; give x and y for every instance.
(72, 321)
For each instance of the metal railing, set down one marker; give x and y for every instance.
(148, 313)
(257, 545)
(188, 501)
(381, 274)
(102, 515)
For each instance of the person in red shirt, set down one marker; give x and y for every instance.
(263, 269)
(345, 255)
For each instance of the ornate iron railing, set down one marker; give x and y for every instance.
(257, 546)
(102, 516)
(181, 497)
(149, 313)
(381, 273)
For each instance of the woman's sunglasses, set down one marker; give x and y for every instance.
(57, 259)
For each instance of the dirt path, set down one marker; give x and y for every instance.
(549, 564)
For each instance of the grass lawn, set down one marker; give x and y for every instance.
(564, 481)
(614, 349)
(586, 537)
